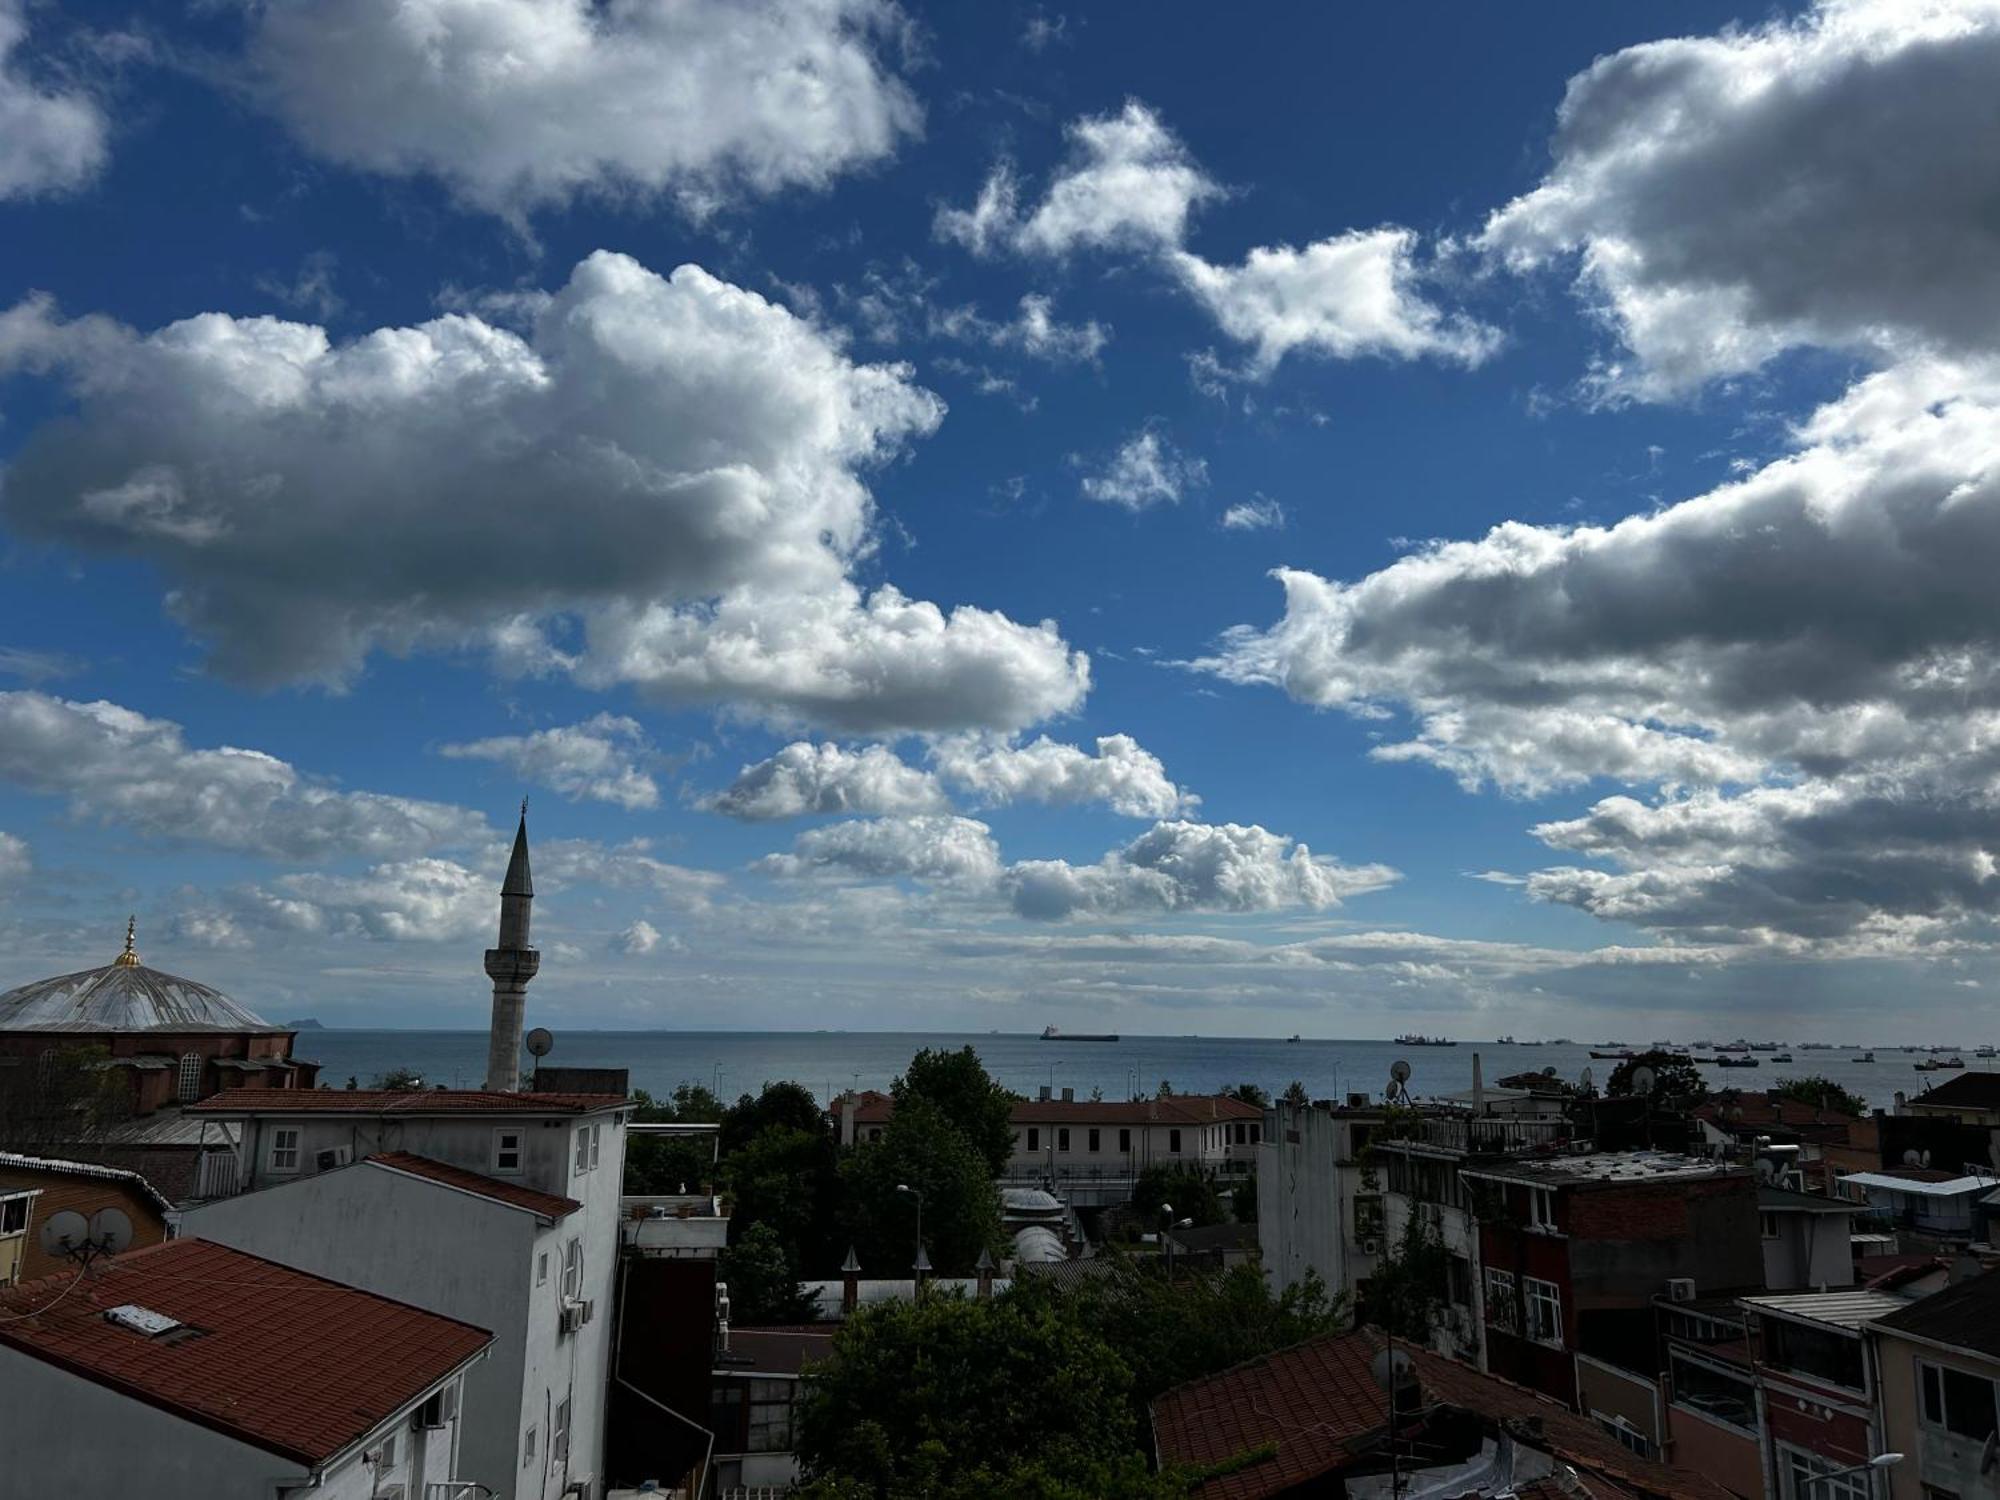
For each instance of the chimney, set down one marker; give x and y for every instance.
(1478, 1087)
(850, 1283)
(1069, 1096)
(985, 1270)
(510, 964)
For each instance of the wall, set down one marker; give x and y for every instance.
(84, 1195)
(1933, 1457)
(1728, 1457)
(438, 1249)
(1605, 1389)
(1628, 1240)
(1299, 1225)
(1810, 1252)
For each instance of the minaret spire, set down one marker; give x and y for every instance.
(510, 965)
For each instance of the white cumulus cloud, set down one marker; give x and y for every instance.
(805, 778)
(51, 139)
(1122, 775)
(1146, 470)
(600, 759)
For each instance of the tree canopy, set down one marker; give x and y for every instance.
(670, 1164)
(1674, 1077)
(763, 1280)
(959, 1085)
(1821, 1093)
(784, 1103)
(921, 1148)
(1251, 1093)
(1192, 1194)
(788, 1180)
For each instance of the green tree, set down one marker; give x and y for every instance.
(398, 1078)
(671, 1164)
(1674, 1077)
(1243, 1200)
(922, 1148)
(971, 1397)
(785, 1103)
(1821, 1093)
(1250, 1093)
(763, 1280)
(1191, 1192)
(959, 1085)
(1410, 1286)
(1295, 1093)
(788, 1180)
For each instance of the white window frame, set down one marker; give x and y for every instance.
(559, 1432)
(1767, 1225)
(1503, 1291)
(1848, 1486)
(596, 1144)
(542, 1269)
(1541, 1208)
(385, 1457)
(501, 1150)
(1542, 1301)
(582, 1149)
(278, 1148)
(1941, 1424)
(27, 1212)
(572, 1271)
(528, 1447)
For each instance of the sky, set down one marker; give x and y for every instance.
(1159, 517)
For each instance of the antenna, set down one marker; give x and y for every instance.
(111, 1230)
(65, 1233)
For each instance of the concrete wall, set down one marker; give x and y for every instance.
(54, 1426)
(1606, 1390)
(1725, 1455)
(1810, 1252)
(1299, 1225)
(1932, 1455)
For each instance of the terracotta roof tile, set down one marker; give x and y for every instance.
(287, 1362)
(400, 1102)
(548, 1205)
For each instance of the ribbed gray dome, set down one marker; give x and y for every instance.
(124, 997)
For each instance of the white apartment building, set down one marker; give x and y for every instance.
(498, 1208)
(1315, 1209)
(188, 1371)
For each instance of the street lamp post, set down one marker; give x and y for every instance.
(1879, 1461)
(1168, 1224)
(922, 1263)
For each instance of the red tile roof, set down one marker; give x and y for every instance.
(400, 1102)
(548, 1205)
(1317, 1405)
(290, 1363)
(1741, 1112)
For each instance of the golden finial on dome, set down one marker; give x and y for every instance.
(129, 959)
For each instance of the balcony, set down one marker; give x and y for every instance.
(674, 1225)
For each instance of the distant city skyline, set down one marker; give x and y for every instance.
(1167, 521)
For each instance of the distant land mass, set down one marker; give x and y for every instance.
(307, 1024)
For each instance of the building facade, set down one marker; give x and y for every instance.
(114, 1205)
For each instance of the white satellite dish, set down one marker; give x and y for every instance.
(1393, 1092)
(1643, 1080)
(111, 1230)
(64, 1232)
(541, 1042)
(1400, 1071)
(1391, 1369)
(1585, 1080)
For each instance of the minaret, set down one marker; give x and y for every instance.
(510, 966)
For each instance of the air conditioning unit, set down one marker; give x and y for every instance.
(1680, 1289)
(437, 1411)
(334, 1156)
(1371, 1247)
(586, 1310)
(570, 1318)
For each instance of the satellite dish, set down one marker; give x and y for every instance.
(1400, 1071)
(541, 1042)
(1393, 1092)
(64, 1233)
(1643, 1079)
(1391, 1369)
(111, 1230)
(1586, 1079)
(1767, 1169)
(1910, 1159)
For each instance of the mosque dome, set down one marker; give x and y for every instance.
(124, 995)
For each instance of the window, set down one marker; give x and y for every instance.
(190, 1079)
(572, 1272)
(1541, 1208)
(771, 1416)
(385, 1457)
(1256, 1132)
(874, 1132)
(1956, 1401)
(1501, 1310)
(1125, 1141)
(559, 1432)
(1767, 1226)
(1545, 1312)
(1174, 1142)
(583, 1148)
(1458, 1282)
(1367, 1217)
(1062, 1139)
(596, 1144)
(1821, 1353)
(528, 1448)
(1242, 1134)
(1625, 1432)
(14, 1215)
(1034, 1138)
(542, 1269)
(1806, 1476)
(1094, 1142)
(285, 1149)
(1712, 1392)
(507, 1151)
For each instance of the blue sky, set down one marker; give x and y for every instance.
(834, 459)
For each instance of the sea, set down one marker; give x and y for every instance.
(828, 1062)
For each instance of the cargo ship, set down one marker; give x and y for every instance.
(1050, 1034)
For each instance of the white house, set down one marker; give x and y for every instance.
(500, 1208)
(187, 1371)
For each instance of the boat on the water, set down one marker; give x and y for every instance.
(1050, 1034)
(1984, 1052)
(1781, 1057)
(1736, 1062)
(1864, 1057)
(1614, 1056)
(1293, 1037)
(1939, 1064)
(1418, 1039)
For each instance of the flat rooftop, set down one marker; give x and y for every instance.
(1605, 1166)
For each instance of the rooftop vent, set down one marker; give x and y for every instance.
(141, 1319)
